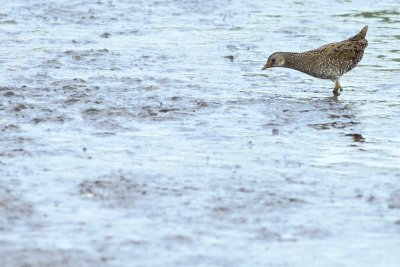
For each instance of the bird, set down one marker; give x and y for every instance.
(329, 61)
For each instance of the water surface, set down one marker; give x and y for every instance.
(143, 133)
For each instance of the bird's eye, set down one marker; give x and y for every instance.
(273, 60)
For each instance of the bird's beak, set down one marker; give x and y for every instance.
(266, 66)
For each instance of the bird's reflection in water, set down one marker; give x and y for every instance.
(335, 96)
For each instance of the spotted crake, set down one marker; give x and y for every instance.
(330, 61)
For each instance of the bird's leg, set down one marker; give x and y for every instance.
(337, 88)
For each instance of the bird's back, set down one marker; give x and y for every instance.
(333, 60)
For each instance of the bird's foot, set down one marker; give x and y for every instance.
(336, 92)
(338, 87)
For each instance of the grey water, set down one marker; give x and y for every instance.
(143, 133)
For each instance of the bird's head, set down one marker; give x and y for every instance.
(275, 60)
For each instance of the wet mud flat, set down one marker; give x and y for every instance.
(144, 134)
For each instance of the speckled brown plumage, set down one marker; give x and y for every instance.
(330, 61)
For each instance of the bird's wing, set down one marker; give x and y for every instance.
(348, 53)
(342, 47)
(358, 39)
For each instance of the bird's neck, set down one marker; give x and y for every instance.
(294, 61)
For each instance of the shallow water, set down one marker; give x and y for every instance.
(145, 134)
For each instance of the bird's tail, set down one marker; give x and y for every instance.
(359, 36)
